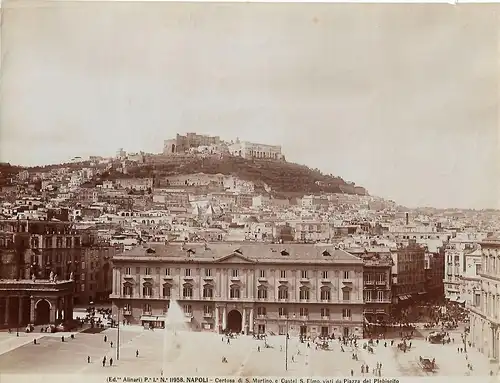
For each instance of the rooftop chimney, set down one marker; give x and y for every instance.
(407, 218)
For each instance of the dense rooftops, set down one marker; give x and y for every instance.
(240, 253)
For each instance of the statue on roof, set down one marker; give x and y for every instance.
(71, 276)
(51, 276)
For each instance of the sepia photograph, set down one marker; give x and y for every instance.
(249, 192)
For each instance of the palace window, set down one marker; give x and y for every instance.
(127, 289)
(347, 274)
(346, 295)
(187, 291)
(261, 311)
(128, 270)
(282, 292)
(304, 311)
(325, 294)
(208, 291)
(167, 271)
(262, 292)
(188, 310)
(187, 272)
(167, 289)
(208, 272)
(303, 274)
(325, 312)
(148, 271)
(234, 273)
(147, 290)
(304, 293)
(147, 308)
(282, 311)
(234, 292)
(283, 274)
(324, 274)
(346, 313)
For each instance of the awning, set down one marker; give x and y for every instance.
(160, 318)
(403, 297)
(153, 318)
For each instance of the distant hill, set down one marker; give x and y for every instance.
(8, 172)
(285, 179)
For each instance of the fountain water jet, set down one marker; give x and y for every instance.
(175, 323)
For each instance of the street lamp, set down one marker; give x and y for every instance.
(118, 336)
(286, 342)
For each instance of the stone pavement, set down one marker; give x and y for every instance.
(194, 353)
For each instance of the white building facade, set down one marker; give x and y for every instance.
(485, 319)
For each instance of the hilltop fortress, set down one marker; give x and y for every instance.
(198, 143)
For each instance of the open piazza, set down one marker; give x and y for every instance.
(201, 353)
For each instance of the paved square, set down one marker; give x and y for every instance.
(193, 353)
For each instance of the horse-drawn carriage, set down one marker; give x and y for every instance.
(436, 337)
(323, 345)
(427, 364)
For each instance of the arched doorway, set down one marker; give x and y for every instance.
(234, 321)
(42, 312)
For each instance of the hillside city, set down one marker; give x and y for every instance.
(249, 246)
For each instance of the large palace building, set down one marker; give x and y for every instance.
(485, 308)
(250, 288)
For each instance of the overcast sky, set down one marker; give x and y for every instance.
(402, 99)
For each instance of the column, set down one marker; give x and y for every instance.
(251, 320)
(244, 324)
(70, 307)
(7, 309)
(53, 310)
(20, 311)
(217, 319)
(224, 315)
(32, 310)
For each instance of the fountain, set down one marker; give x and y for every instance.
(175, 324)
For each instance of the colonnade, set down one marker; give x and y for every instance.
(30, 309)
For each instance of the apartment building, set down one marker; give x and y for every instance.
(377, 282)
(456, 253)
(485, 318)
(242, 287)
(39, 248)
(408, 275)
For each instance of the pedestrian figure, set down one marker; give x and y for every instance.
(458, 350)
(105, 338)
(62, 339)
(110, 362)
(104, 362)
(34, 341)
(111, 344)
(385, 344)
(352, 372)
(137, 354)
(258, 349)
(88, 359)
(222, 339)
